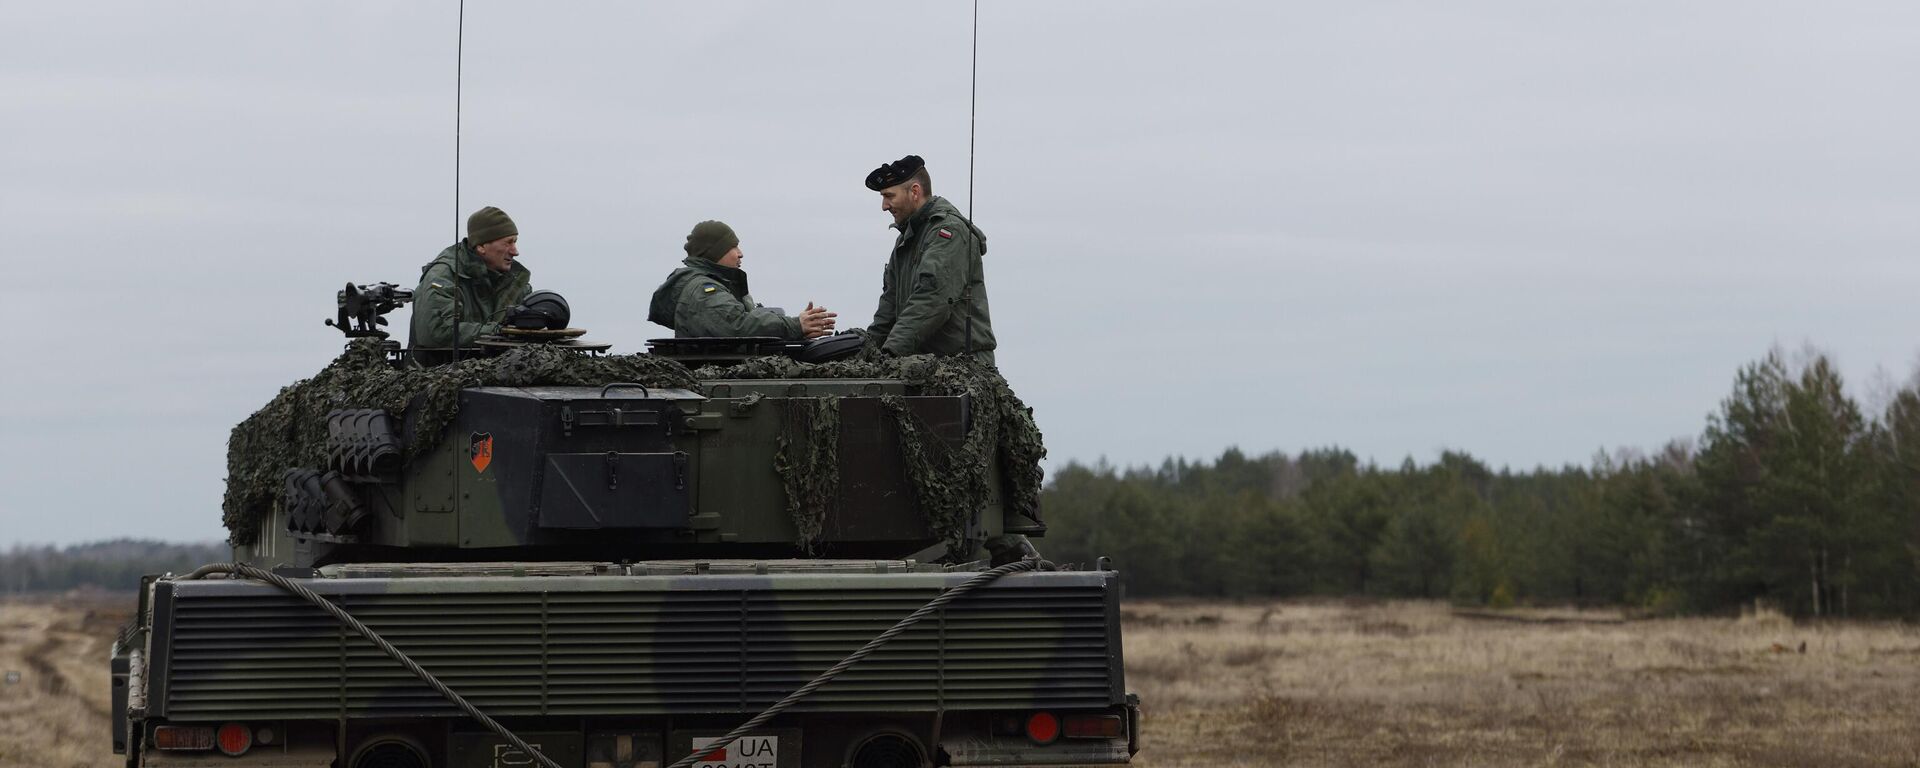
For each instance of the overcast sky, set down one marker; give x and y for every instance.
(1524, 230)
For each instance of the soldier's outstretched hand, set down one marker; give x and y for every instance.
(816, 321)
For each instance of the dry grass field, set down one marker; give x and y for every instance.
(1414, 684)
(1324, 684)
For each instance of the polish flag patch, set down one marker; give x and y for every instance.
(946, 235)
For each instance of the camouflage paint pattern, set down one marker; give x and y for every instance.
(582, 634)
(767, 458)
(620, 644)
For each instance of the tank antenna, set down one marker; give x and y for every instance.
(459, 64)
(459, 68)
(973, 104)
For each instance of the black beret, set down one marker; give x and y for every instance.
(894, 174)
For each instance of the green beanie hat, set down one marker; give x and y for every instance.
(489, 224)
(711, 240)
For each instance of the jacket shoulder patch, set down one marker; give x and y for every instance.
(709, 288)
(946, 234)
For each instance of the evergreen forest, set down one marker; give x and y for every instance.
(1791, 496)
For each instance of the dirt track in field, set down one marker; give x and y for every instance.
(56, 713)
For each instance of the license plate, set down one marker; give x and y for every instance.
(749, 751)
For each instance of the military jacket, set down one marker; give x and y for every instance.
(933, 294)
(483, 298)
(706, 299)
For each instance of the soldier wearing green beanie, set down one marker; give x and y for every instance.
(707, 295)
(711, 240)
(465, 292)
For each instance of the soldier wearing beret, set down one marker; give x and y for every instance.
(933, 294)
(465, 292)
(707, 296)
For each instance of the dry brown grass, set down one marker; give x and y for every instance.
(56, 715)
(1413, 684)
(1329, 683)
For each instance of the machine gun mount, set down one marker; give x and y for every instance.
(363, 309)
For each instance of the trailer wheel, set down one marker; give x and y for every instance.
(888, 749)
(390, 753)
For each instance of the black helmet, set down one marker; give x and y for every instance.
(540, 311)
(839, 346)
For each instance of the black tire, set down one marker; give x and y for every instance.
(887, 749)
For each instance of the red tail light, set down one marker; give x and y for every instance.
(182, 737)
(1043, 728)
(1093, 727)
(235, 739)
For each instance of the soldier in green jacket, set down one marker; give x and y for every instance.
(708, 296)
(465, 292)
(933, 295)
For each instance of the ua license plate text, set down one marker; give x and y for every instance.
(750, 751)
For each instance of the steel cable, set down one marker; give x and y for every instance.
(981, 579)
(340, 614)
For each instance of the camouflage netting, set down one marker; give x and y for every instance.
(291, 431)
(809, 463)
(951, 482)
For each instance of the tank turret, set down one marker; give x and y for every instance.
(538, 445)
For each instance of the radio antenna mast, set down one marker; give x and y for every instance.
(459, 65)
(459, 62)
(973, 105)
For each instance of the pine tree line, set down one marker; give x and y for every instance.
(1792, 496)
